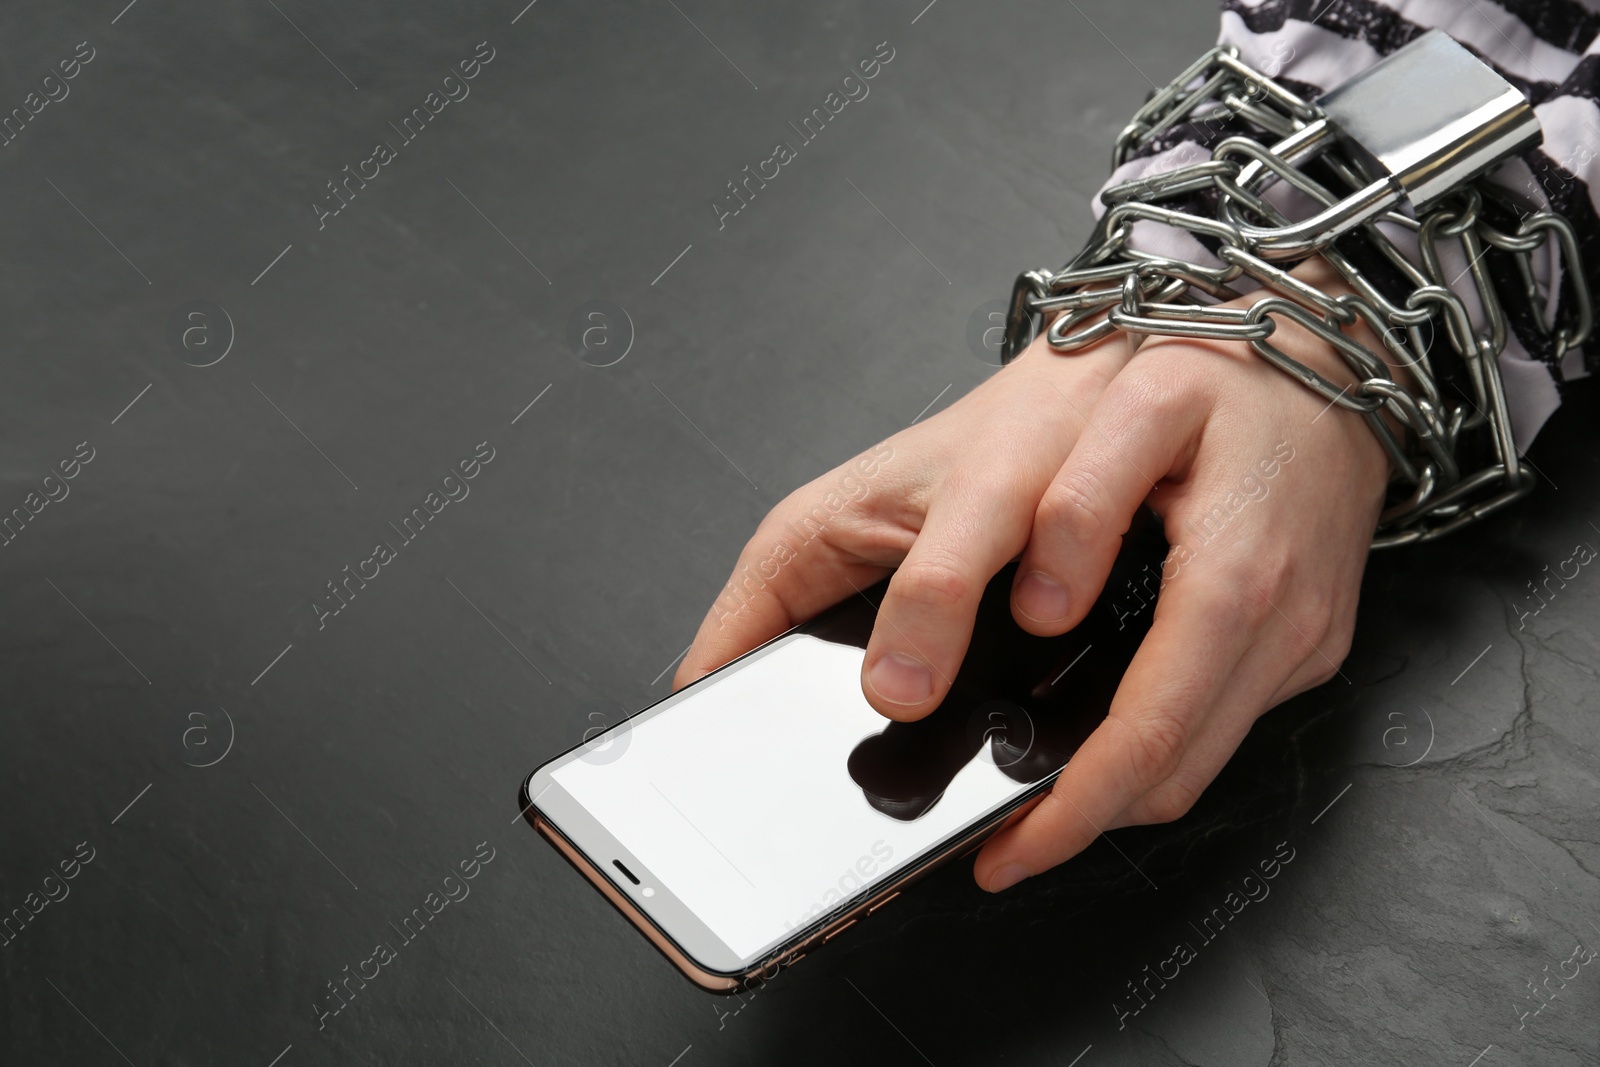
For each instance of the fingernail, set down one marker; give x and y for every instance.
(1042, 597)
(899, 679)
(1007, 876)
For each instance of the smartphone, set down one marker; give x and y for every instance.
(759, 812)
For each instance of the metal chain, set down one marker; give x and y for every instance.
(1111, 286)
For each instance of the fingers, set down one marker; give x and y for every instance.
(1183, 672)
(765, 597)
(1136, 437)
(978, 523)
(1298, 654)
(1023, 420)
(1214, 742)
(793, 568)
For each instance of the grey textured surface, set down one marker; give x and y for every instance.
(142, 611)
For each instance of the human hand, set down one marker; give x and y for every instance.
(1260, 610)
(944, 505)
(1269, 498)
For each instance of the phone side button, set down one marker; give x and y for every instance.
(882, 902)
(836, 931)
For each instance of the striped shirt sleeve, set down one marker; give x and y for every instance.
(1549, 49)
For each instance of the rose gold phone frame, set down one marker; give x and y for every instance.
(791, 953)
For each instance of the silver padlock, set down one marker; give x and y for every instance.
(1422, 121)
(1433, 116)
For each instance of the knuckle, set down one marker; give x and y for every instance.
(932, 582)
(1309, 621)
(1075, 506)
(1274, 570)
(960, 480)
(1255, 590)
(1238, 605)
(816, 502)
(993, 480)
(1333, 645)
(1171, 802)
(1166, 388)
(1156, 749)
(1338, 641)
(840, 510)
(1161, 399)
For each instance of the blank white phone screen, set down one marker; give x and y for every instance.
(739, 800)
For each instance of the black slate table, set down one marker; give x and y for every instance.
(260, 343)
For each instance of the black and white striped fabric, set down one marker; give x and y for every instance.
(1550, 49)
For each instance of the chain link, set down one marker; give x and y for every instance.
(1112, 287)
